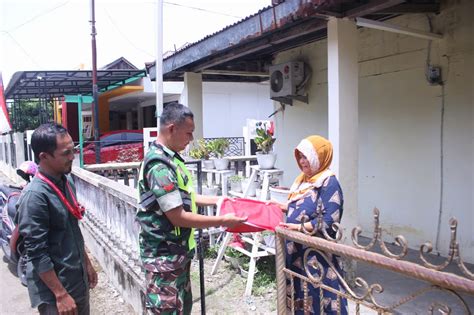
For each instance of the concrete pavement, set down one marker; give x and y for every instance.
(13, 296)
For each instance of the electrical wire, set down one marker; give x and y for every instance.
(195, 8)
(124, 36)
(201, 9)
(38, 16)
(22, 48)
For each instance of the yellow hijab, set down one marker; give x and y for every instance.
(318, 151)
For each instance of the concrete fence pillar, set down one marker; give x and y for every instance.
(19, 140)
(192, 97)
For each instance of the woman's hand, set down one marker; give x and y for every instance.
(291, 226)
(282, 206)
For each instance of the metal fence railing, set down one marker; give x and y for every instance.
(455, 292)
(236, 145)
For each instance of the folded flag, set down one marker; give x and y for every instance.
(261, 216)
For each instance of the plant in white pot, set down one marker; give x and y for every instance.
(235, 183)
(264, 141)
(210, 190)
(250, 187)
(218, 147)
(201, 151)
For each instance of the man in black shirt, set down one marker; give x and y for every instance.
(59, 272)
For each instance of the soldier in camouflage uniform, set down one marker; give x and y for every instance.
(167, 215)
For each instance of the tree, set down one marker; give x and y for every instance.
(29, 114)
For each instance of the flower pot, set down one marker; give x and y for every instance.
(236, 186)
(208, 164)
(221, 164)
(210, 191)
(279, 194)
(266, 161)
(269, 240)
(252, 189)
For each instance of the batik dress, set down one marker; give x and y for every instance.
(327, 200)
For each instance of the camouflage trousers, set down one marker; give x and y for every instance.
(169, 292)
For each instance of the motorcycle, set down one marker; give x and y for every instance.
(10, 238)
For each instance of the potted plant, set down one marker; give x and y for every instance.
(264, 140)
(279, 194)
(201, 151)
(210, 190)
(218, 147)
(250, 186)
(235, 183)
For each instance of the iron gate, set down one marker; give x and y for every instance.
(361, 293)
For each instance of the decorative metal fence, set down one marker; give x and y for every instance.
(363, 294)
(236, 145)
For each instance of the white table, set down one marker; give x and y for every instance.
(239, 160)
(215, 176)
(258, 248)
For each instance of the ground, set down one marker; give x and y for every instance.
(224, 294)
(224, 291)
(104, 298)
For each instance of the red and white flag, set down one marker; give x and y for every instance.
(5, 125)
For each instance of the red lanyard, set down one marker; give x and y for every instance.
(77, 210)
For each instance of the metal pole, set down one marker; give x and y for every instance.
(159, 63)
(94, 84)
(200, 249)
(280, 274)
(81, 140)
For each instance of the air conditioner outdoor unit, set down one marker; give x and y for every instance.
(285, 80)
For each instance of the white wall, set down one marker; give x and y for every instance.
(302, 120)
(400, 127)
(228, 105)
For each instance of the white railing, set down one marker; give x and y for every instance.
(110, 231)
(12, 154)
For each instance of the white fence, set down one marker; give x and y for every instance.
(12, 154)
(109, 227)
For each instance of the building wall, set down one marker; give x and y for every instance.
(104, 108)
(226, 107)
(70, 120)
(416, 140)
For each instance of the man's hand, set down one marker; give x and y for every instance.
(65, 304)
(230, 220)
(91, 275)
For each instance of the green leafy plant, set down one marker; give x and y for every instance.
(218, 147)
(200, 151)
(29, 114)
(211, 252)
(264, 280)
(235, 179)
(264, 139)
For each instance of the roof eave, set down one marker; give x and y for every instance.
(274, 29)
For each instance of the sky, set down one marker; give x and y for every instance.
(55, 34)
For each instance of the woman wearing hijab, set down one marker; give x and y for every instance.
(315, 191)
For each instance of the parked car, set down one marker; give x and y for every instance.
(117, 147)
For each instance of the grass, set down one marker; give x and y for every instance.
(264, 280)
